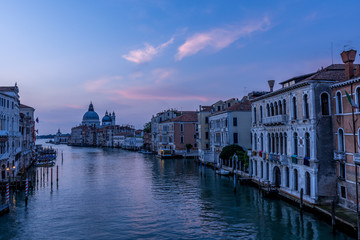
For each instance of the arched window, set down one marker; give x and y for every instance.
(262, 142)
(325, 108)
(339, 103)
(306, 106)
(255, 142)
(307, 145)
(287, 182)
(261, 114)
(255, 115)
(276, 108)
(357, 95)
(281, 144)
(296, 182)
(280, 108)
(285, 143)
(272, 109)
(273, 143)
(294, 108)
(295, 145)
(284, 106)
(268, 110)
(267, 171)
(341, 140)
(307, 184)
(277, 143)
(269, 142)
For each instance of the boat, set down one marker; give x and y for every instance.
(223, 172)
(45, 164)
(146, 152)
(4, 209)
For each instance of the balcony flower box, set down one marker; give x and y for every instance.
(260, 153)
(294, 159)
(306, 161)
(254, 153)
(267, 156)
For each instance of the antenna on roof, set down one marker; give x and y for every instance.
(332, 58)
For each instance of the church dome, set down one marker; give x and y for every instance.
(90, 114)
(106, 118)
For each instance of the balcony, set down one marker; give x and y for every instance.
(4, 133)
(275, 120)
(357, 158)
(284, 159)
(339, 156)
(4, 156)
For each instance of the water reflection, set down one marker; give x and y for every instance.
(115, 194)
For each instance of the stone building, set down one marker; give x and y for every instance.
(346, 129)
(292, 136)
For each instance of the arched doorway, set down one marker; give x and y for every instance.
(277, 176)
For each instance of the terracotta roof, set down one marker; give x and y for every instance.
(188, 116)
(25, 106)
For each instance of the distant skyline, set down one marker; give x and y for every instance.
(137, 58)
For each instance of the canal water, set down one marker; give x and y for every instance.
(117, 194)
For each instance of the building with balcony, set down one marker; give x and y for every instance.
(178, 133)
(292, 137)
(346, 130)
(16, 133)
(229, 123)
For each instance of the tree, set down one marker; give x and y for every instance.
(147, 127)
(228, 152)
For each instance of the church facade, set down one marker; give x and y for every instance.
(92, 132)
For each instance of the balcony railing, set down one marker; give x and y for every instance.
(357, 158)
(339, 156)
(284, 159)
(275, 120)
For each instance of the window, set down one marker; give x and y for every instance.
(307, 184)
(341, 140)
(269, 142)
(294, 108)
(307, 145)
(285, 143)
(339, 103)
(272, 109)
(295, 147)
(306, 106)
(219, 108)
(342, 170)
(287, 182)
(343, 191)
(261, 114)
(268, 110)
(357, 94)
(276, 108)
(207, 146)
(181, 139)
(281, 143)
(273, 143)
(181, 127)
(206, 120)
(228, 104)
(325, 104)
(235, 121)
(254, 115)
(236, 138)
(296, 185)
(206, 135)
(255, 142)
(261, 142)
(280, 108)
(284, 106)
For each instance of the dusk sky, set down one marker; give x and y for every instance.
(138, 58)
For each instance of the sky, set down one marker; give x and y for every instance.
(138, 58)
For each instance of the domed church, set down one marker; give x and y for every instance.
(91, 118)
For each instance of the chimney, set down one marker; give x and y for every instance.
(348, 57)
(271, 84)
(357, 73)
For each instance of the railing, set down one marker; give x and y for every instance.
(4, 133)
(4, 156)
(273, 120)
(339, 156)
(357, 158)
(284, 159)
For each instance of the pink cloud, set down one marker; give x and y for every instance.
(147, 93)
(99, 84)
(162, 74)
(218, 39)
(146, 54)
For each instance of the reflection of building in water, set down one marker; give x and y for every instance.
(92, 133)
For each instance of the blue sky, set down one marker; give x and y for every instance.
(138, 58)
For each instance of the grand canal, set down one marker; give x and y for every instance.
(116, 194)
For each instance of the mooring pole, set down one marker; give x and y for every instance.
(333, 215)
(26, 191)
